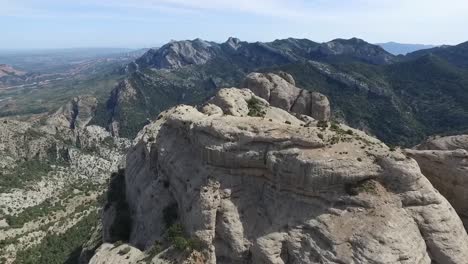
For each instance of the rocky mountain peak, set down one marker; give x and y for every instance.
(238, 180)
(357, 48)
(233, 43)
(178, 54)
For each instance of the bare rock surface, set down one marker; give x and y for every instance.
(280, 91)
(177, 54)
(444, 161)
(75, 114)
(278, 190)
(445, 143)
(123, 254)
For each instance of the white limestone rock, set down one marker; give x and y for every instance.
(122, 254)
(444, 161)
(75, 114)
(255, 190)
(280, 91)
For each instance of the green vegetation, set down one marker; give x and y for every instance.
(154, 250)
(24, 173)
(176, 236)
(48, 97)
(256, 108)
(365, 186)
(322, 124)
(33, 213)
(407, 101)
(60, 248)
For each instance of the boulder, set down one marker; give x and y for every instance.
(280, 91)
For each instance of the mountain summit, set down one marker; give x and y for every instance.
(237, 180)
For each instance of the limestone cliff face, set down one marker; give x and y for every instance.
(178, 54)
(280, 91)
(444, 161)
(273, 189)
(75, 114)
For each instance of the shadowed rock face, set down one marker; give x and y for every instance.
(444, 161)
(275, 189)
(75, 114)
(280, 91)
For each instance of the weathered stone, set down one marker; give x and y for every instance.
(75, 114)
(444, 161)
(280, 91)
(262, 190)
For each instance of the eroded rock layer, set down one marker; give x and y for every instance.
(444, 161)
(280, 91)
(276, 189)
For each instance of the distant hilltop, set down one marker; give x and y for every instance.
(403, 49)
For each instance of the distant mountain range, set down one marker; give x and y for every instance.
(400, 99)
(403, 49)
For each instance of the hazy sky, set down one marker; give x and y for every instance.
(145, 23)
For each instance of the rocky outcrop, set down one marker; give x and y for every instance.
(358, 49)
(445, 143)
(280, 91)
(444, 161)
(8, 70)
(75, 114)
(275, 189)
(178, 54)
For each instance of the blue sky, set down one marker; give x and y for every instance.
(29, 24)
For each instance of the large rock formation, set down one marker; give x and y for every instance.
(444, 161)
(75, 114)
(273, 189)
(280, 91)
(177, 54)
